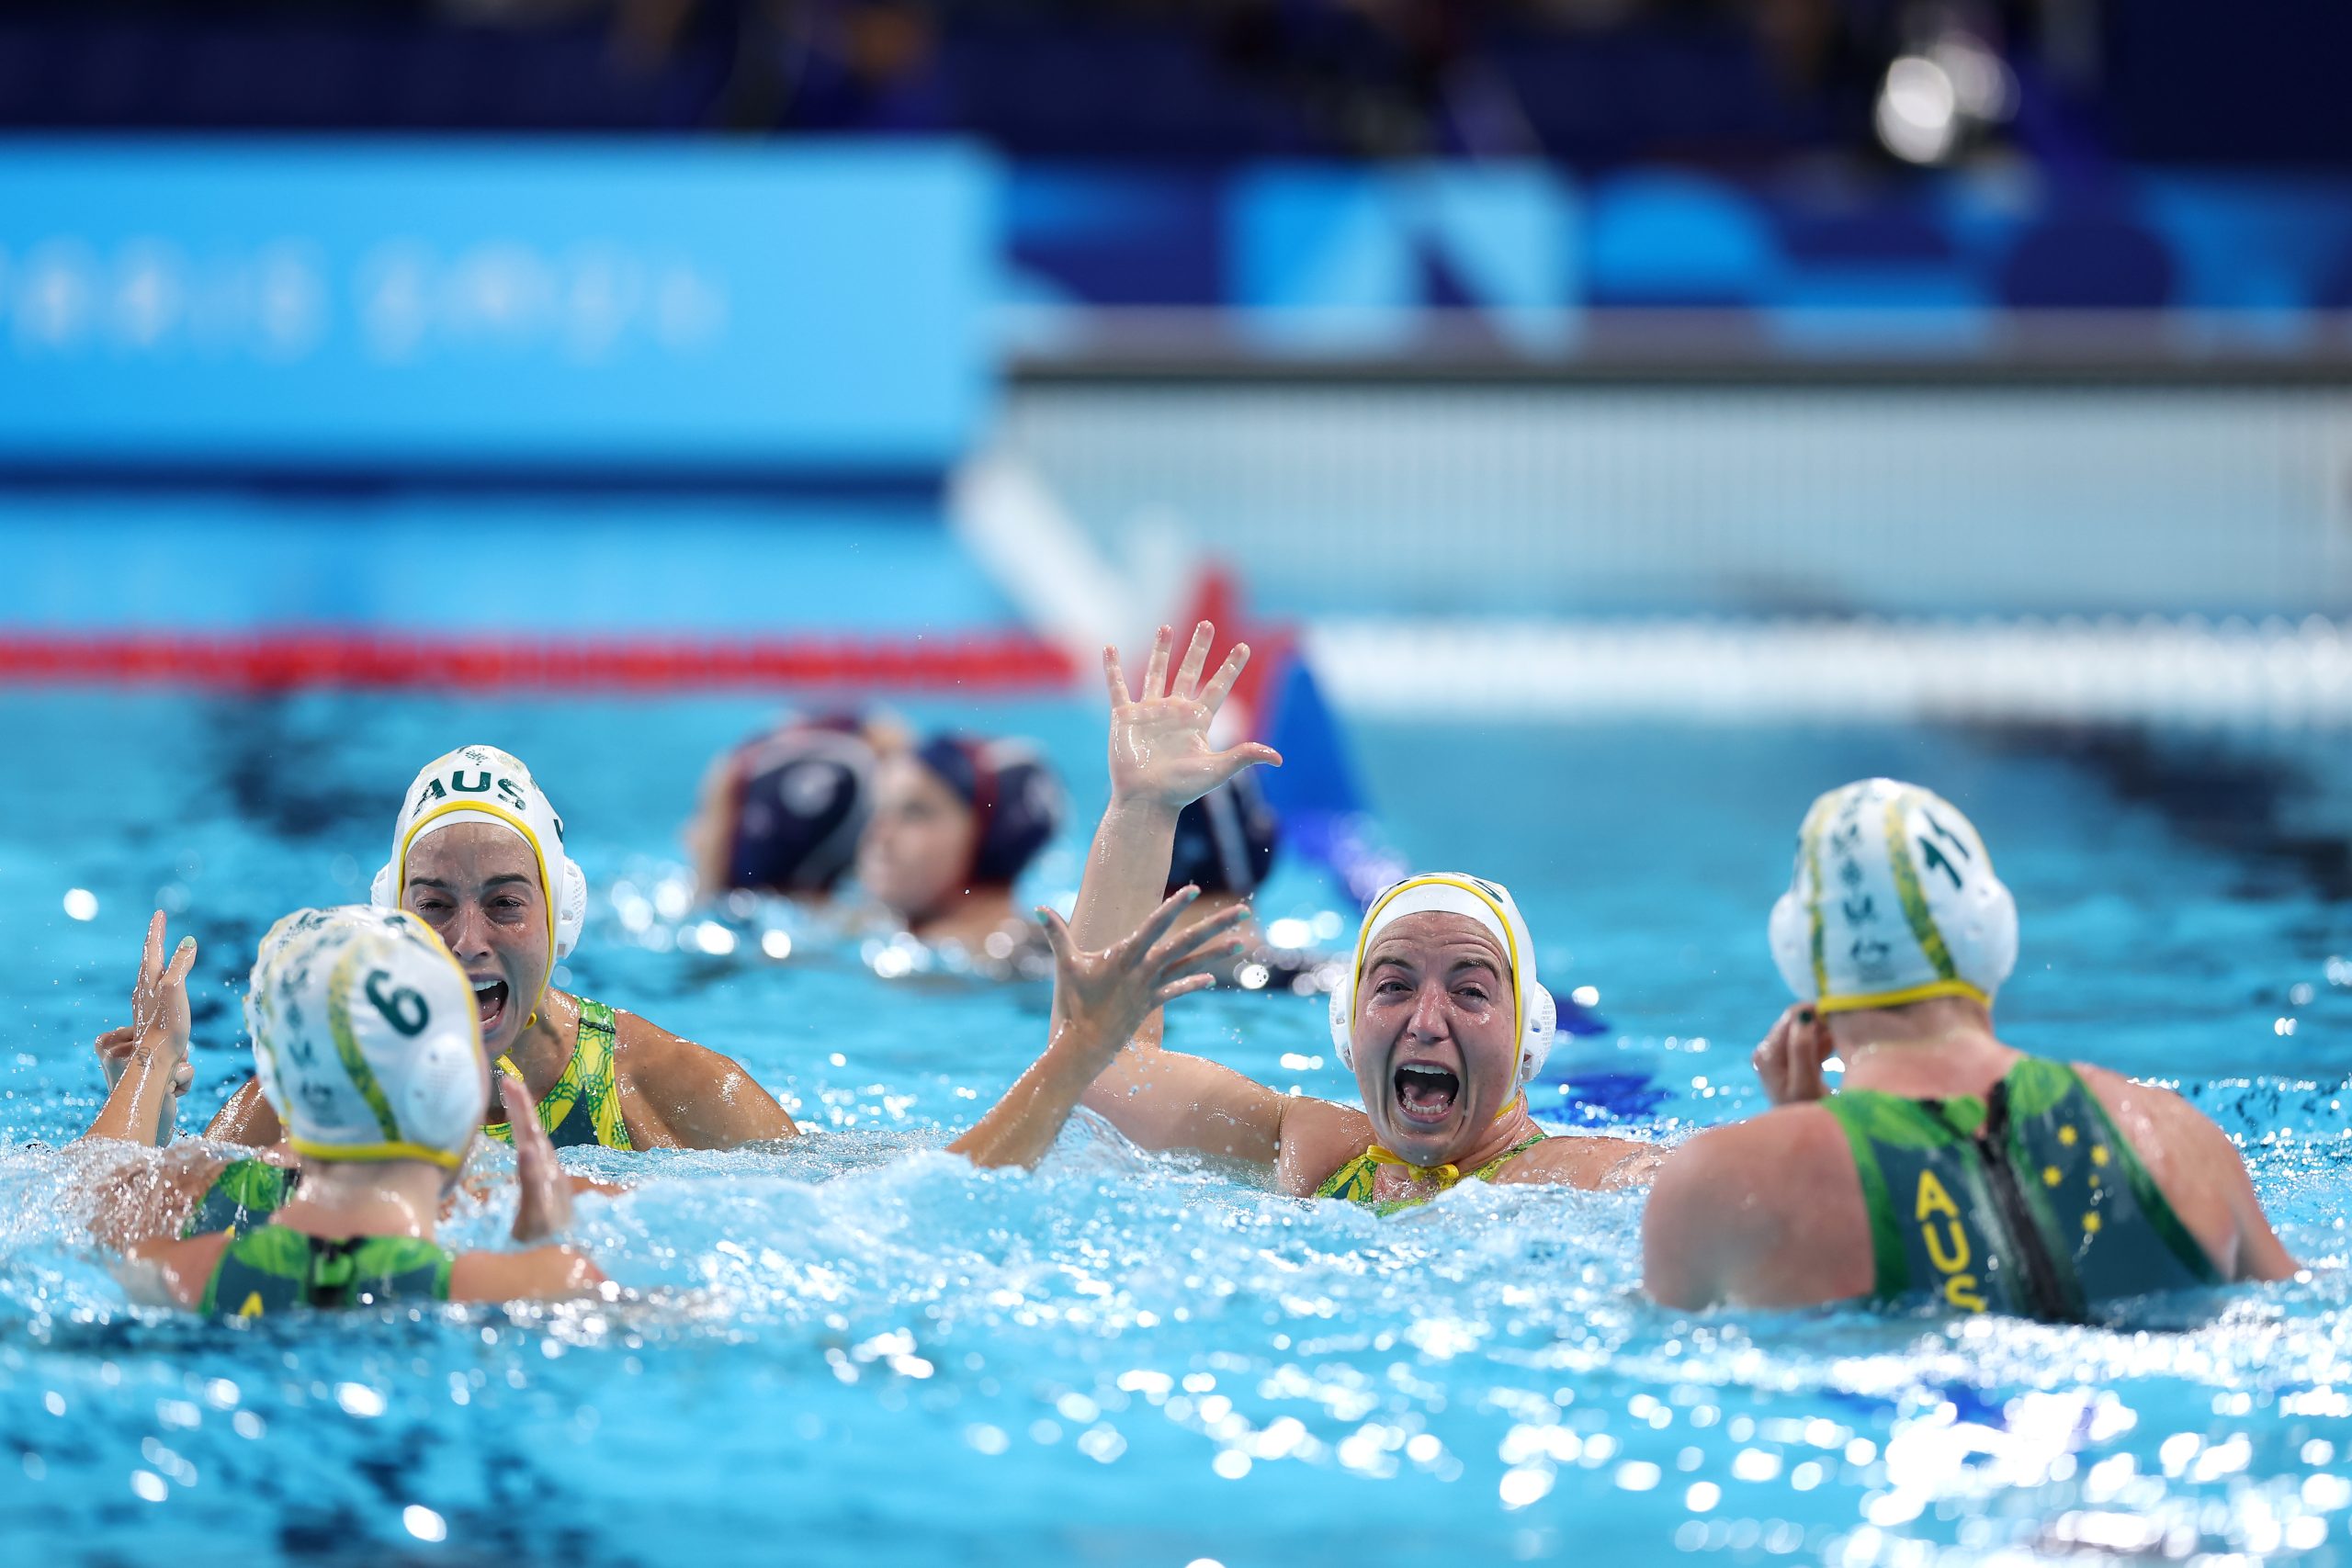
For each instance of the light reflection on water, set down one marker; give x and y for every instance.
(859, 1350)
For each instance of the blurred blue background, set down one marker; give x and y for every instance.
(1683, 307)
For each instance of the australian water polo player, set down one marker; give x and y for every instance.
(1950, 1169)
(368, 1047)
(1442, 1015)
(477, 854)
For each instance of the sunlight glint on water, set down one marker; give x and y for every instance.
(861, 1350)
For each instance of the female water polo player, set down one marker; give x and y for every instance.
(1441, 1015)
(1951, 1169)
(477, 854)
(784, 812)
(957, 820)
(368, 1047)
(195, 1187)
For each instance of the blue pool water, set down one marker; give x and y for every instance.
(862, 1351)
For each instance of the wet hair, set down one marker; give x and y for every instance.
(1226, 839)
(1014, 797)
(801, 797)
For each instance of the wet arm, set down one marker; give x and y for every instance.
(139, 1107)
(172, 1273)
(1686, 1244)
(1165, 1100)
(1126, 868)
(2260, 1254)
(246, 1119)
(543, 1274)
(150, 1199)
(1102, 999)
(1593, 1163)
(1023, 1125)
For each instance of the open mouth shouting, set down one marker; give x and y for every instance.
(490, 998)
(1425, 1092)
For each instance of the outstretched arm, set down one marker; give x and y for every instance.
(141, 1103)
(1160, 763)
(1101, 1000)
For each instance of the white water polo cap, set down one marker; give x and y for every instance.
(1894, 901)
(366, 1040)
(483, 783)
(1490, 905)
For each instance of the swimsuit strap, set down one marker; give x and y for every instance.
(1486, 1171)
(589, 1079)
(2108, 1228)
(599, 1063)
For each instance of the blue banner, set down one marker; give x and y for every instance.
(1329, 258)
(572, 305)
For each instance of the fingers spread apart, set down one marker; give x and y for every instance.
(1196, 657)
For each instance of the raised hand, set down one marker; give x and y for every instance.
(543, 1200)
(1160, 737)
(1102, 998)
(152, 1051)
(159, 1016)
(1099, 1000)
(1788, 1062)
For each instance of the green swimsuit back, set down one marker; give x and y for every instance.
(273, 1270)
(2027, 1201)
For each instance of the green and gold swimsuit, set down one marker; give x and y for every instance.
(2027, 1201)
(589, 1085)
(244, 1194)
(1353, 1181)
(271, 1269)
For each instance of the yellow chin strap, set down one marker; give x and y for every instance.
(1445, 1176)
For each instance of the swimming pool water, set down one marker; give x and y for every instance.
(862, 1351)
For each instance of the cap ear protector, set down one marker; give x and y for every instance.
(1490, 905)
(483, 783)
(1892, 901)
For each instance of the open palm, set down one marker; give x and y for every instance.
(1103, 998)
(1159, 738)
